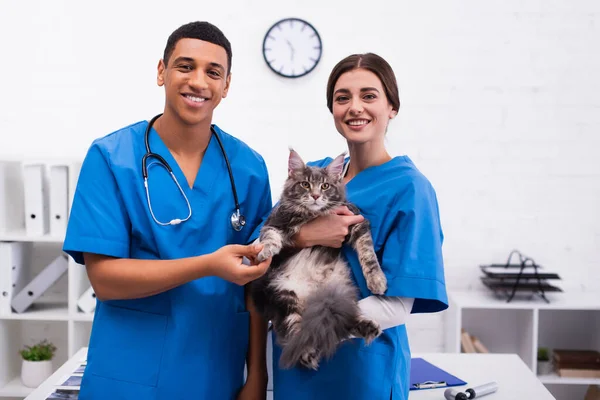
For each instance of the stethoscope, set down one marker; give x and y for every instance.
(237, 219)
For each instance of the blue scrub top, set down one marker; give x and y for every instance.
(190, 341)
(401, 206)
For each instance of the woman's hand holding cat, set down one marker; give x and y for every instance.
(227, 263)
(328, 230)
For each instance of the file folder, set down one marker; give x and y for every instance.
(59, 198)
(36, 199)
(11, 197)
(74, 170)
(425, 375)
(87, 301)
(14, 263)
(42, 282)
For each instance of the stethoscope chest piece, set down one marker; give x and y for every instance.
(238, 221)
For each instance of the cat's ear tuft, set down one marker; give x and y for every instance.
(336, 167)
(295, 163)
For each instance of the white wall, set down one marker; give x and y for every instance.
(500, 105)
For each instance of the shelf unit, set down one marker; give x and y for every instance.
(570, 320)
(57, 317)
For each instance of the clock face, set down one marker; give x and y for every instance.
(292, 48)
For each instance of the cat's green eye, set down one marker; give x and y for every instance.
(305, 185)
(325, 186)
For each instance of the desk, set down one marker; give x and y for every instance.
(515, 380)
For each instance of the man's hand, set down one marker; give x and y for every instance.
(227, 263)
(328, 230)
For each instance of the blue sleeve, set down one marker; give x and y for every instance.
(264, 209)
(98, 222)
(412, 253)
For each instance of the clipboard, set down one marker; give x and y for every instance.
(424, 375)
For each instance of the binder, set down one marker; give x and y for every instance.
(466, 342)
(87, 301)
(74, 170)
(14, 263)
(59, 197)
(34, 289)
(11, 197)
(36, 199)
(424, 375)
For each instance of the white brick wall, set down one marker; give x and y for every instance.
(500, 106)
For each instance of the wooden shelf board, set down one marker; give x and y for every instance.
(15, 388)
(555, 379)
(558, 301)
(41, 312)
(21, 236)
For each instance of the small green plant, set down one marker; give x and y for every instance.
(543, 354)
(41, 351)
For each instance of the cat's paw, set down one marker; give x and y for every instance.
(269, 250)
(377, 282)
(310, 359)
(368, 329)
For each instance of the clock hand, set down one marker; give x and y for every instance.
(292, 50)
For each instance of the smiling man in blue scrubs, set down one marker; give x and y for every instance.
(171, 320)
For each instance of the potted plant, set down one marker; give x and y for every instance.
(544, 365)
(37, 363)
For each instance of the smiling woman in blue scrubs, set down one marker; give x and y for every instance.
(402, 208)
(171, 320)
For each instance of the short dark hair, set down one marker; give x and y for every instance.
(201, 30)
(371, 62)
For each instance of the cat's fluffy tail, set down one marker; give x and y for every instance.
(328, 317)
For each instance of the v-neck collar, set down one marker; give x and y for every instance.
(367, 173)
(207, 173)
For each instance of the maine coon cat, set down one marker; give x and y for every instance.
(308, 294)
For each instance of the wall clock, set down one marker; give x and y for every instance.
(292, 48)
